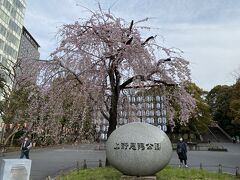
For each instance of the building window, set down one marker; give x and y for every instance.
(4, 62)
(1, 44)
(7, 5)
(148, 120)
(13, 13)
(18, 4)
(164, 120)
(148, 98)
(133, 99)
(152, 105)
(159, 121)
(12, 39)
(4, 16)
(147, 113)
(3, 30)
(139, 99)
(164, 128)
(13, 26)
(10, 51)
(152, 120)
(164, 112)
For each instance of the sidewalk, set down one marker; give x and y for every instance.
(51, 161)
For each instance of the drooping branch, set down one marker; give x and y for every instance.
(72, 72)
(148, 77)
(104, 115)
(131, 26)
(143, 78)
(148, 39)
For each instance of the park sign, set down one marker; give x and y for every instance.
(138, 149)
(15, 169)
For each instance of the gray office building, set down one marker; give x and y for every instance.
(28, 48)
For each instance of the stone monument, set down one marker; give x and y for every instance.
(138, 149)
(15, 169)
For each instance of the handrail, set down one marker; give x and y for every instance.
(224, 132)
(213, 134)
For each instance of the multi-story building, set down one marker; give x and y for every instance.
(11, 24)
(28, 50)
(28, 46)
(145, 107)
(149, 109)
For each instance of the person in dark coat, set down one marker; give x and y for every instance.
(182, 152)
(25, 148)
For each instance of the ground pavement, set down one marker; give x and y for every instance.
(211, 159)
(51, 161)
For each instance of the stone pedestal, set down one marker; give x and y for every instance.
(15, 169)
(124, 177)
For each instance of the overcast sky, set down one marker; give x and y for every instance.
(208, 31)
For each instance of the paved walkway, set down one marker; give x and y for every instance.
(211, 159)
(50, 161)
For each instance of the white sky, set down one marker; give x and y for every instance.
(208, 31)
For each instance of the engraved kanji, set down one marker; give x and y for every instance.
(149, 146)
(157, 146)
(124, 146)
(117, 146)
(141, 146)
(133, 146)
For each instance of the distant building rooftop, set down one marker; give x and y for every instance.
(30, 38)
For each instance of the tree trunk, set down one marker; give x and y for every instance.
(11, 144)
(10, 135)
(113, 113)
(112, 124)
(114, 77)
(112, 118)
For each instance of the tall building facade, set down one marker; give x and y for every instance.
(28, 48)
(28, 51)
(136, 106)
(11, 24)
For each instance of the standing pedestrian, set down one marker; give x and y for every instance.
(233, 139)
(25, 148)
(182, 152)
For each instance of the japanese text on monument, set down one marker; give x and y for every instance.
(137, 146)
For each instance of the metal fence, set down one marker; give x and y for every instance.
(215, 168)
(78, 165)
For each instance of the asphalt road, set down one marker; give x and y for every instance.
(211, 159)
(51, 161)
